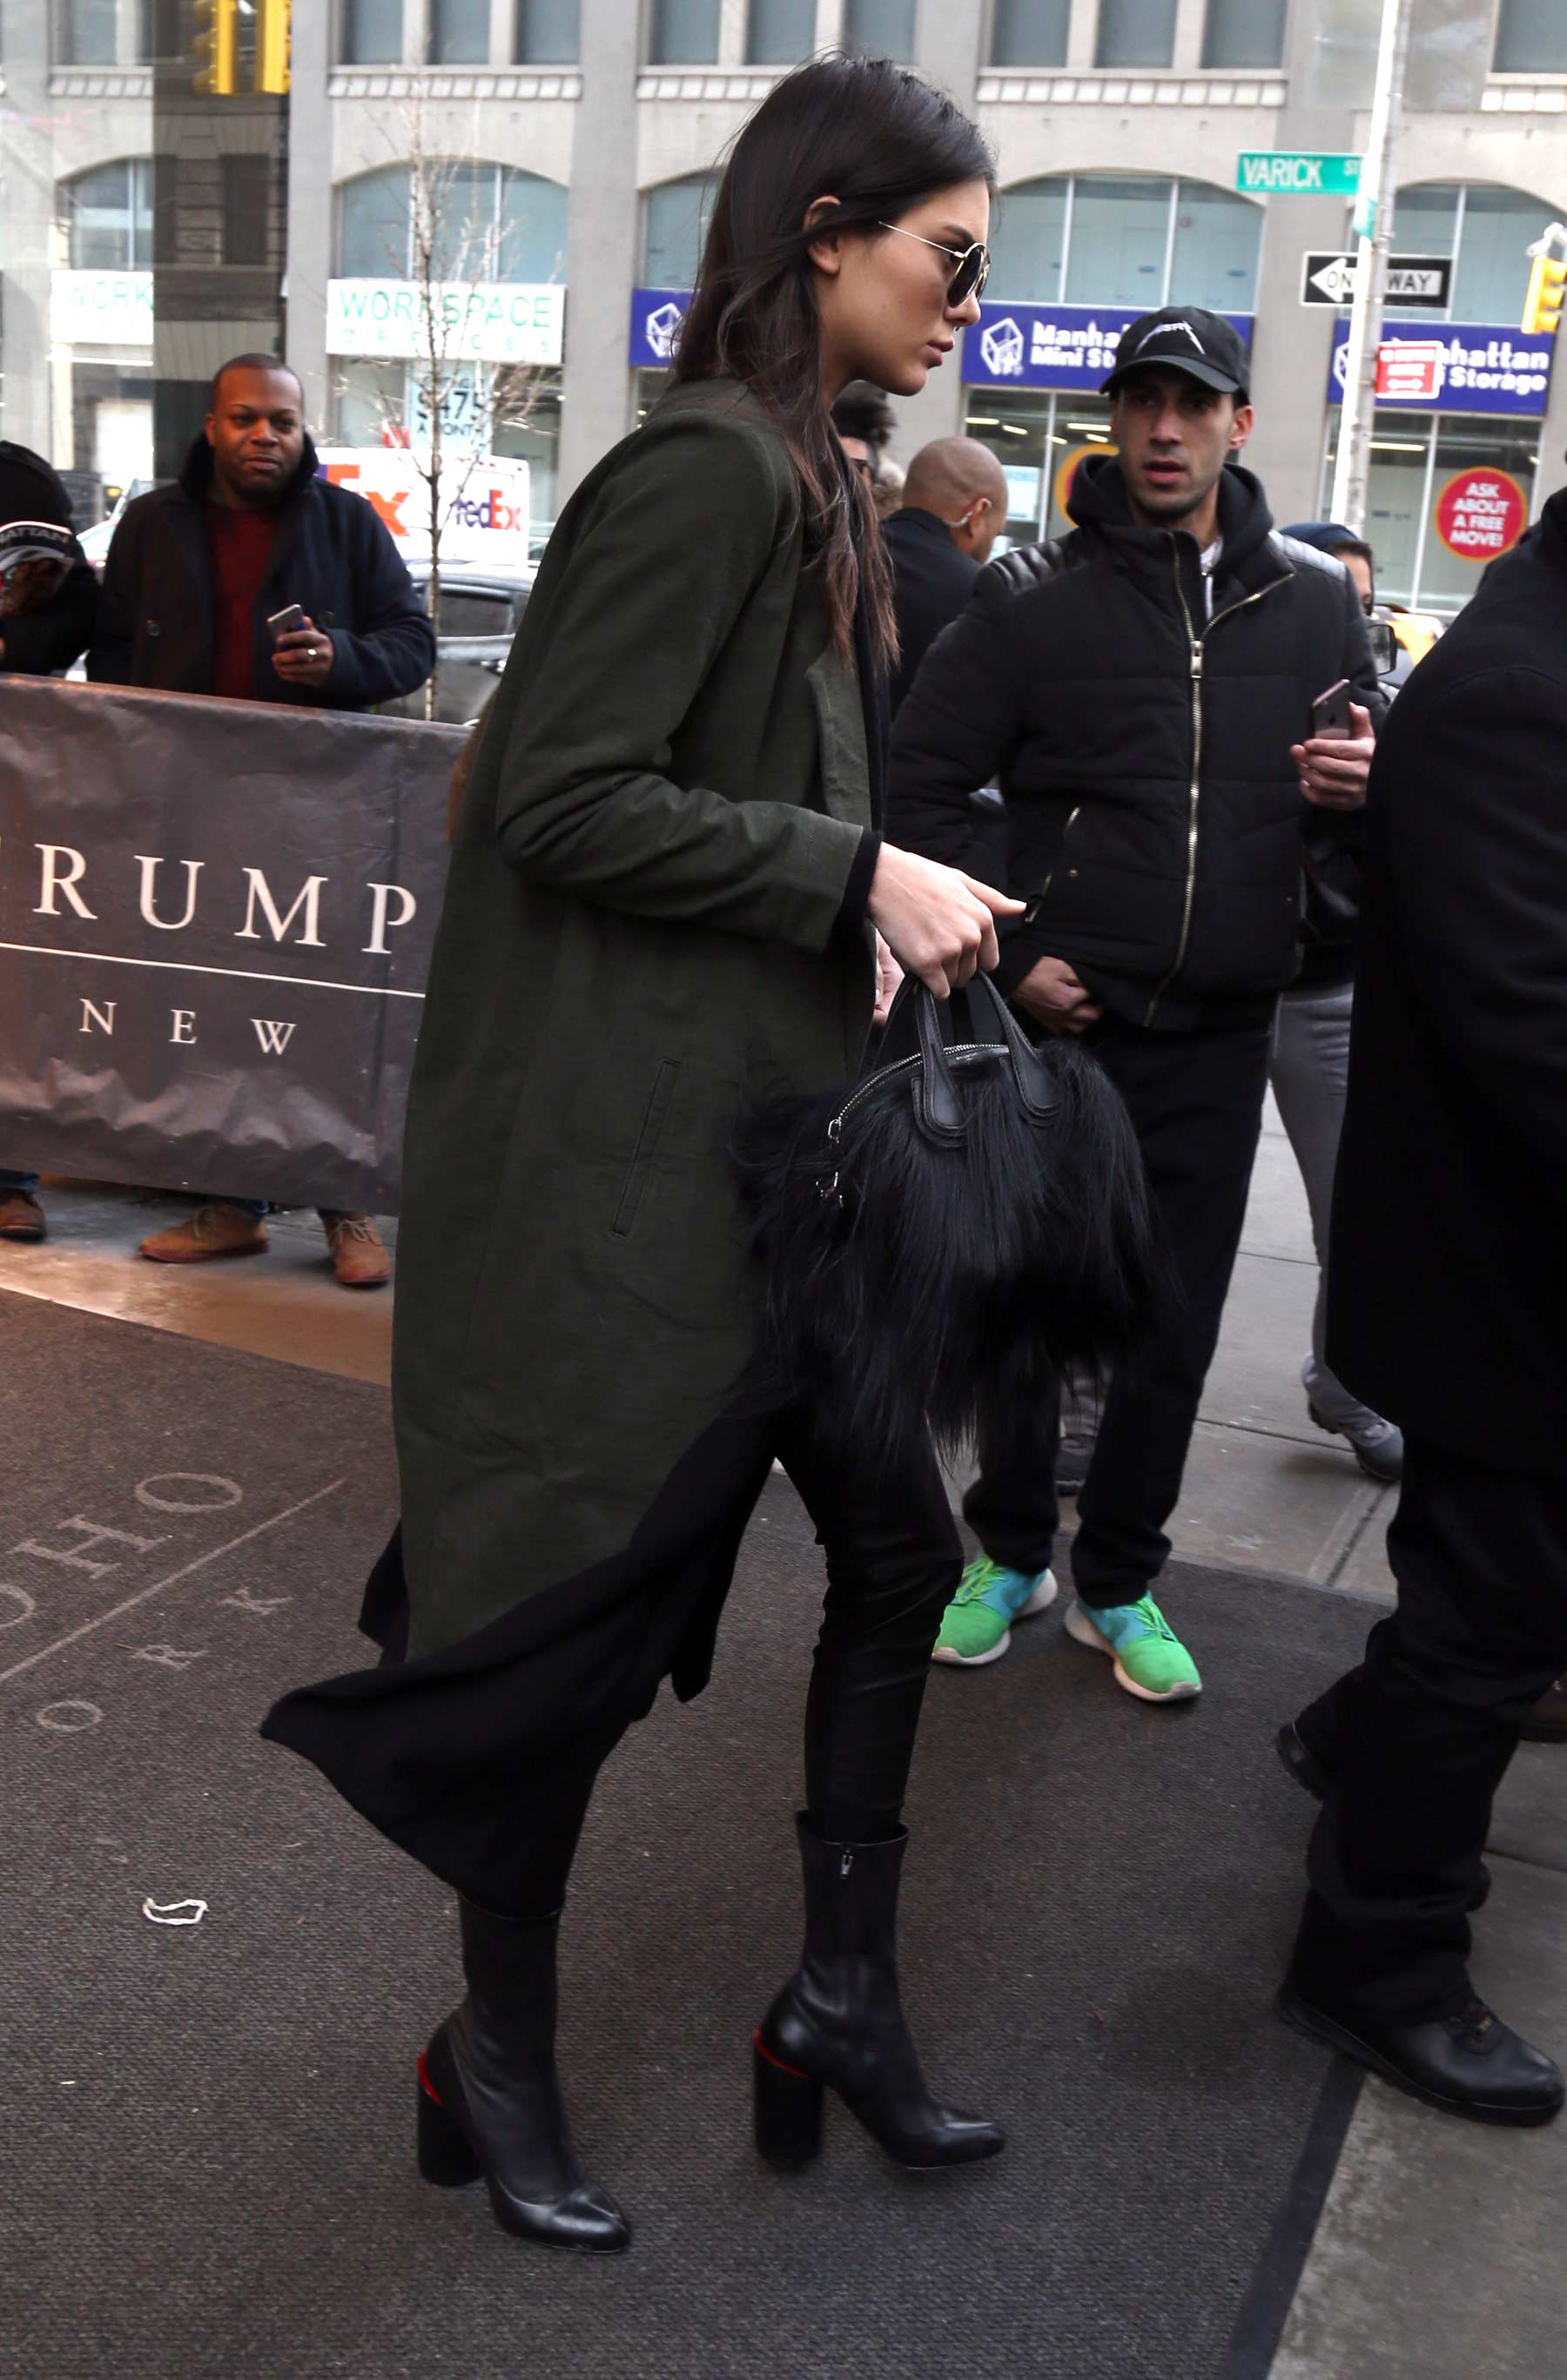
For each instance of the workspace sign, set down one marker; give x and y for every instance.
(1051, 346)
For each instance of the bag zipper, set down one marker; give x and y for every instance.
(901, 1066)
(1196, 643)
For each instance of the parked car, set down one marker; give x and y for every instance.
(479, 619)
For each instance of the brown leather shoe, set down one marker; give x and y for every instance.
(21, 1217)
(215, 1231)
(1546, 1723)
(358, 1252)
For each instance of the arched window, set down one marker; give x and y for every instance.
(1126, 239)
(675, 224)
(1486, 227)
(108, 216)
(489, 223)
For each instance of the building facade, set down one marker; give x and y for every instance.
(550, 160)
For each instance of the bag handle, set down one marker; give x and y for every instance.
(936, 1101)
(1031, 1069)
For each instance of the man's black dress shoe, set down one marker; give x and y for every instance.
(1468, 2064)
(1316, 1778)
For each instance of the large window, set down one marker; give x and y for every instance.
(1414, 455)
(490, 222)
(108, 218)
(459, 33)
(1136, 33)
(882, 28)
(373, 31)
(1488, 229)
(684, 33)
(1531, 37)
(1126, 239)
(675, 223)
(548, 32)
(780, 32)
(88, 32)
(1030, 32)
(1245, 33)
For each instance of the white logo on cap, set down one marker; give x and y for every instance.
(1168, 331)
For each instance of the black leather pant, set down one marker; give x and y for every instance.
(894, 1562)
(1196, 1101)
(1418, 1736)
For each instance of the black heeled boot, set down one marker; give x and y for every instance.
(838, 2023)
(489, 2100)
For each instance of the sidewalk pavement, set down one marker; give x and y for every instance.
(1265, 1488)
(1438, 2253)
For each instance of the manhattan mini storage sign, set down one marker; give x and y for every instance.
(1454, 367)
(1068, 347)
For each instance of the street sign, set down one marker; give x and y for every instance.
(1412, 370)
(1303, 173)
(1327, 278)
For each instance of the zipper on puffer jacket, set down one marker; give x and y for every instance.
(1196, 647)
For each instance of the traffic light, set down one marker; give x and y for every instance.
(273, 24)
(217, 48)
(1542, 307)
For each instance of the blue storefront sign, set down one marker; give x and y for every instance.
(1051, 346)
(1454, 367)
(656, 317)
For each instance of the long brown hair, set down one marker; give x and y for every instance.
(880, 141)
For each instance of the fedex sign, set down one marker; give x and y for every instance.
(484, 502)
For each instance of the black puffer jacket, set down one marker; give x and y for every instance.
(1143, 748)
(332, 556)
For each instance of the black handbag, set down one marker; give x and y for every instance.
(941, 1238)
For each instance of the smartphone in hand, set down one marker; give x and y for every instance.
(1329, 713)
(282, 624)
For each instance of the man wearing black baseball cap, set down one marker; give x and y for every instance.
(1142, 692)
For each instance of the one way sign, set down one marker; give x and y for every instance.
(1328, 279)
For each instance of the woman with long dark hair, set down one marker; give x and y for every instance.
(663, 890)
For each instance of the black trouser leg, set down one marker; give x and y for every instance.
(1429, 1725)
(893, 1562)
(1012, 1508)
(1196, 1101)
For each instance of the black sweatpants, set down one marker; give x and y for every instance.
(1419, 1736)
(1196, 1101)
(894, 1562)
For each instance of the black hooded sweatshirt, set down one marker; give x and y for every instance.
(48, 636)
(1138, 719)
(332, 556)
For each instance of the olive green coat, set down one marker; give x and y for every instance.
(642, 921)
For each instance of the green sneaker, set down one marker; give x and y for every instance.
(1150, 1660)
(977, 1626)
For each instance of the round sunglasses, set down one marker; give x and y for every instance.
(973, 264)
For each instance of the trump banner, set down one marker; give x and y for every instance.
(215, 923)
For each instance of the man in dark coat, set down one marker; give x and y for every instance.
(46, 621)
(194, 574)
(196, 569)
(1140, 693)
(954, 504)
(1449, 1263)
